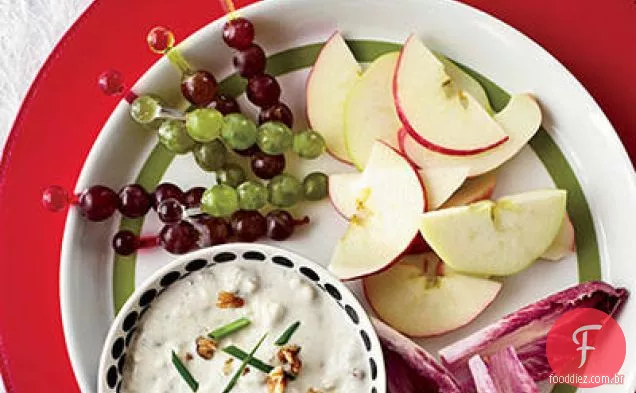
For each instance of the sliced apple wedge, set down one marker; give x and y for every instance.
(386, 218)
(421, 297)
(564, 243)
(520, 119)
(496, 238)
(466, 83)
(328, 85)
(473, 190)
(369, 113)
(438, 114)
(440, 184)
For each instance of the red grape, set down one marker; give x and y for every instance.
(98, 203)
(55, 198)
(134, 201)
(199, 87)
(125, 242)
(263, 90)
(179, 238)
(280, 224)
(192, 198)
(238, 33)
(225, 104)
(249, 152)
(166, 191)
(218, 230)
(248, 225)
(266, 166)
(277, 112)
(111, 82)
(250, 61)
(170, 211)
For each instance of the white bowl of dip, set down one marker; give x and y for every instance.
(340, 351)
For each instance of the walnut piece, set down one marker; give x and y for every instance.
(276, 381)
(229, 300)
(227, 366)
(189, 356)
(289, 355)
(206, 347)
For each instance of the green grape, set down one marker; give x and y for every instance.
(238, 132)
(210, 156)
(204, 124)
(174, 137)
(309, 144)
(231, 175)
(274, 137)
(145, 109)
(315, 186)
(284, 190)
(252, 195)
(220, 201)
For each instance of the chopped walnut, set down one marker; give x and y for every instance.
(189, 356)
(276, 381)
(357, 373)
(229, 300)
(227, 366)
(289, 355)
(206, 347)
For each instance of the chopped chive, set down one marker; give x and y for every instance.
(185, 374)
(254, 362)
(239, 372)
(230, 328)
(287, 334)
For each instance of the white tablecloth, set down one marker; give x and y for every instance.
(28, 31)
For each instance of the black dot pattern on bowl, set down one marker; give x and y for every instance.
(119, 387)
(129, 336)
(224, 257)
(333, 291)
(374, 369)
(130, 321)
(195, 265)
(254, 256)
(309, 273)
(352, 314)
(169, 279)
(118, 348)
(121, 363)
(374, 390)
(366, 340)
(111, 377)
(147, 297)
(283, 261)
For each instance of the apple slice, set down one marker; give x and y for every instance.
(330, 80)
(473, 190)
(386, 218)
(420, 299)
(369, 113)
(496, 238)
(563, 244)
(520, 119)
(440, 184)
(467, 83)
(438, 114)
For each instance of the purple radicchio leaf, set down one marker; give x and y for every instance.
(526, 330)
(509, 373)
(410, 369)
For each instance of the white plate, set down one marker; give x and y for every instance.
(473, 38)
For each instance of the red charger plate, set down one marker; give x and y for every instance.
(64, 111)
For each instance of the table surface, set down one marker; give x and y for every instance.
(593, 40)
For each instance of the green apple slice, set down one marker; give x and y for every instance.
(496, 238)
(369, 110)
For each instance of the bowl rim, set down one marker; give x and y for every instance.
(240, 248)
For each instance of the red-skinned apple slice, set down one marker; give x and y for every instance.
(427, 289)
(473, 190)
(520, 119)
(333, 75)
(387, 216)
(440, 184)
(435, 111)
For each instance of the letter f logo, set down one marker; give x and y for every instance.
(584, 347)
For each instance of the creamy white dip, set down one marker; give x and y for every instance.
(332, 352)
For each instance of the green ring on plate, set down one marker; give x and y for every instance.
(588, 258)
